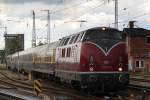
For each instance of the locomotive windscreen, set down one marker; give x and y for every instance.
(104, 38)
(102, 34)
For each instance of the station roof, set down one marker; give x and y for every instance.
(136, 32)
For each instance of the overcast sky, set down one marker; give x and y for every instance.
(63, 12)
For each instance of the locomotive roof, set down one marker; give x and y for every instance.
(100, 28)
(95, 28)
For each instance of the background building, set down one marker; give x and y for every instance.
(2, 56)
(138, 47)
(14, 43)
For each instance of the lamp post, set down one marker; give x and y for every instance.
(48, 25)
(17, 48)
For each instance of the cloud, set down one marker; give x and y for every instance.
(93, 11)
(30, 1)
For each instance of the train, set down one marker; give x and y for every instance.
(93, 59)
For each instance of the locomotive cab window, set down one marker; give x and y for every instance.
(102, 34)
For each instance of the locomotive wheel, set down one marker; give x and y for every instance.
(15, 69)
(57, 80)
(85, 91)
(76, 85)
(9, 67)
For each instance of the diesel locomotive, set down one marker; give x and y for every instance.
(94, 59)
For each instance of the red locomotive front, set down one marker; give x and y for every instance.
(104, 60)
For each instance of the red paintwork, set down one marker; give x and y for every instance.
(89, 49)
(67, 66)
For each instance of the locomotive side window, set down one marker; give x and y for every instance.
(66, 41)
(71, 41)
(75, 40)
(61, 42)
(68, 52)
(80, 36)
(63, 52)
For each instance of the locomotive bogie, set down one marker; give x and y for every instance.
(105, 81)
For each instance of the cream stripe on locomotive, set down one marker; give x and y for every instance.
(79, 72)
(106, 53)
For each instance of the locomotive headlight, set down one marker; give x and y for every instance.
(103, 28)
(91, 69)
(120, 64)
(120, 69)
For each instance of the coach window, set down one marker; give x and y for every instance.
(39, 59)
(139, 64)
(45, 59)
(50, 59)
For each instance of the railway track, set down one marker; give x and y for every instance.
(140, 79)
(46, 90)
(25, 83)
(144, 84)
(55, 89)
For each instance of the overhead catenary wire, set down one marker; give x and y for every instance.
(129, 9)
(69, 7)
(77, 17)
(134, 17)
(83, 13)
(66, 8)
(53, 11)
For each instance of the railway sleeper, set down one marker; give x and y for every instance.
(57, 80)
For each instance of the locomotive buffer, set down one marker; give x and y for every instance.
(38, 87)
